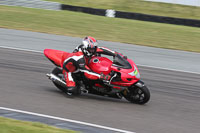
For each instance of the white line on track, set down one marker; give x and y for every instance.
(30, 50)
(170, 69)
(67, 120)
(21, 49)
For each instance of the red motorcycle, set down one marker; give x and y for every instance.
(124, 82)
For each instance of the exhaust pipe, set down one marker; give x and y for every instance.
(56, 79)
(59, 81)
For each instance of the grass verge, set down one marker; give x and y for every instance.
(139, 6)
(16, 126)
(103, 28)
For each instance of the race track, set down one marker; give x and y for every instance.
(174, 106)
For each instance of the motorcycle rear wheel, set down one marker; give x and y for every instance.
(58, 72)
(138, 95)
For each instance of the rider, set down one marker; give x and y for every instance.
(77, 62)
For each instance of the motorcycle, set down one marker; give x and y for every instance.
(124, 82)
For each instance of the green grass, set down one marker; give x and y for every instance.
(103, 28)
(139, 6)
(16, 126)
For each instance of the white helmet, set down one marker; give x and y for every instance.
(89, 46)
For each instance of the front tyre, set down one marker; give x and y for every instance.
(138, 94)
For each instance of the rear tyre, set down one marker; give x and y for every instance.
(138, 95)
(58, 72)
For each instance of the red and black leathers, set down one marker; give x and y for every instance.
(77, 62)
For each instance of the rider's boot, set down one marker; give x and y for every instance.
(73, 91)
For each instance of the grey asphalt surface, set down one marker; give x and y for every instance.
(174, 106)
(145, 56)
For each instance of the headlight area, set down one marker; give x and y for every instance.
(135, 73)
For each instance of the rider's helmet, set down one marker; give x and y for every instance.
(89, 46)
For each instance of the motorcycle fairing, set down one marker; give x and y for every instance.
(100, 65)
(126, 78)
(126, 69)
(54, 56)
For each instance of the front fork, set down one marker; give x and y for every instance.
(139, 84)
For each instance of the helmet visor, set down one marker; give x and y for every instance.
(92, 50)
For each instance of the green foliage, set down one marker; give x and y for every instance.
(16, 126)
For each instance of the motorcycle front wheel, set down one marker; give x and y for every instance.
(137, 94)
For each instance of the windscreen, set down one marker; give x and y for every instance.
(122, 62)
